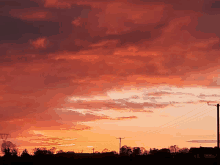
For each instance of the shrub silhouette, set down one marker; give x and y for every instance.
(25, 154)
(42, 152)
(136, 151)
(125, 150)
(184, 150)
(60, 151)
(153, 151)
(174, 149)
(7, 152)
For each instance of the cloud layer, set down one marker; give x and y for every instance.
(62, 61)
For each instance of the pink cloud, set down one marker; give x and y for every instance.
(40, 43)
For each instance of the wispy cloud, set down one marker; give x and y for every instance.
(67, 145)
(202, 141)
(124, 118)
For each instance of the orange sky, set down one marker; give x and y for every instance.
(78, 74)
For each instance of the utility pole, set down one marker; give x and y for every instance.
(93, 150)
(119, 144)
(4, 136)
(217, 125)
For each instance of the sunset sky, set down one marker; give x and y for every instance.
(76, 75)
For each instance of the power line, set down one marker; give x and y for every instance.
(183, 115)
(183, 121)
(201, 114)
(177, 118)
(177, 121)
(195, 116)
(217, 125)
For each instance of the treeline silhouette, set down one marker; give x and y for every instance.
(127, 156)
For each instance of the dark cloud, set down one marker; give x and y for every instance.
(160, 26)
(177, 5)
(132, 37)
(211, 7)
(13, 29)
(49, 80)
(56, 28)
(207, 24)
(72, 116)
(47, 120)
(17, 4)
(216, 4)
(78, 69)
(63, 72)
(120, 104)
(21, 107)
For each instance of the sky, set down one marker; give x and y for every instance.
(77, 75)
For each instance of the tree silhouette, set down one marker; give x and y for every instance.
(52, 150)
(14, 152)
(184, 150)
(42, 151)
(25, 153)
(136, 151)
(6, 152)
(9, 149)
(143, 150)
(125, 150)
(60, 151)
(114, 152)
(153, 151)
(174, 149)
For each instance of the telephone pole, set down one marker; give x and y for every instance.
(4, 136)
(217, 125)
(119, 144)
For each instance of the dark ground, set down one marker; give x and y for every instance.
(106, 160)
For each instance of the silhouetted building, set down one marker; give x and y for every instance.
(204, 152)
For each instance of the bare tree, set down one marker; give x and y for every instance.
(125, 150)
(184, 150)
(114, 152)
(25, 153)
(153, 151)
(42, 151)
(143, 150)
(60, 151)
(52, 150)
(136, 151)
(174, 149)
(8, 148)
